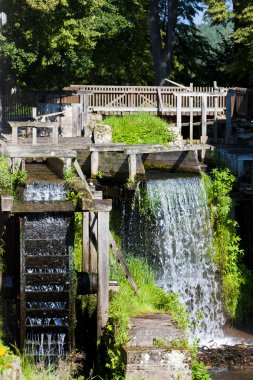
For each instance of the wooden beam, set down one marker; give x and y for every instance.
(119, 257)
(132, 166)
(103, 271)
(33, 124)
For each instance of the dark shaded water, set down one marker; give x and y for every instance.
(244, 374)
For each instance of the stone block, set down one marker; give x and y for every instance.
(6, 203)
(156, 363)
(102, 134)
(145, 360)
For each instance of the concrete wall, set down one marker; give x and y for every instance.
(115, 164)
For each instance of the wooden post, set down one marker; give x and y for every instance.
(86, 242)
(34, 136)
(103, 271)
(215, 113)
(34, 112)
(94, 164)
(179, 112)
(228, 119)
(93, 241)
(191, 119)
(203, 138)
(55, 135)
(160, 102)
(132, 166)
(14, 136)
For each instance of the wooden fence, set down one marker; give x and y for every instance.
(131, 99)
(116, 100)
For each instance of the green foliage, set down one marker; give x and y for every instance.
(8, 180)
(50, 46)
(69, 175)
(140, 129)
(226, 241)
(199, 371)
(78, 242)
(6, 357)
(73, 197)
(126, 303)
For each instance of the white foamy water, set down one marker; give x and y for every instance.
(176, 237)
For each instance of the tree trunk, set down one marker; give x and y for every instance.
(162, 57)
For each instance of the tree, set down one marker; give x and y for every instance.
(48, 44)
(238, 66)
(164, 19)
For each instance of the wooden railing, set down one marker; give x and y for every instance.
(113, 99)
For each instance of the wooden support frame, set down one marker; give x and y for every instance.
(132, 166)
(103, 271)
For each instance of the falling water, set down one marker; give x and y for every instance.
(170, 227)
(47, 241)
(44, 192)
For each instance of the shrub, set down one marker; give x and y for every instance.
(8, 180)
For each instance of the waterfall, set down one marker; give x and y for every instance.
(169, 226)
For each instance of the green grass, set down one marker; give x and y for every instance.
(126, 303)
(140, 129)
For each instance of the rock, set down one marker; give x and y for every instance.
(102, 134)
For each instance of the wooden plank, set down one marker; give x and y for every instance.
(34, 124)
(86, 242)
(103, 272)
(119, 257)
(40, 151)
(42, 206)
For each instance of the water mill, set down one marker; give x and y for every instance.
(122, 261)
